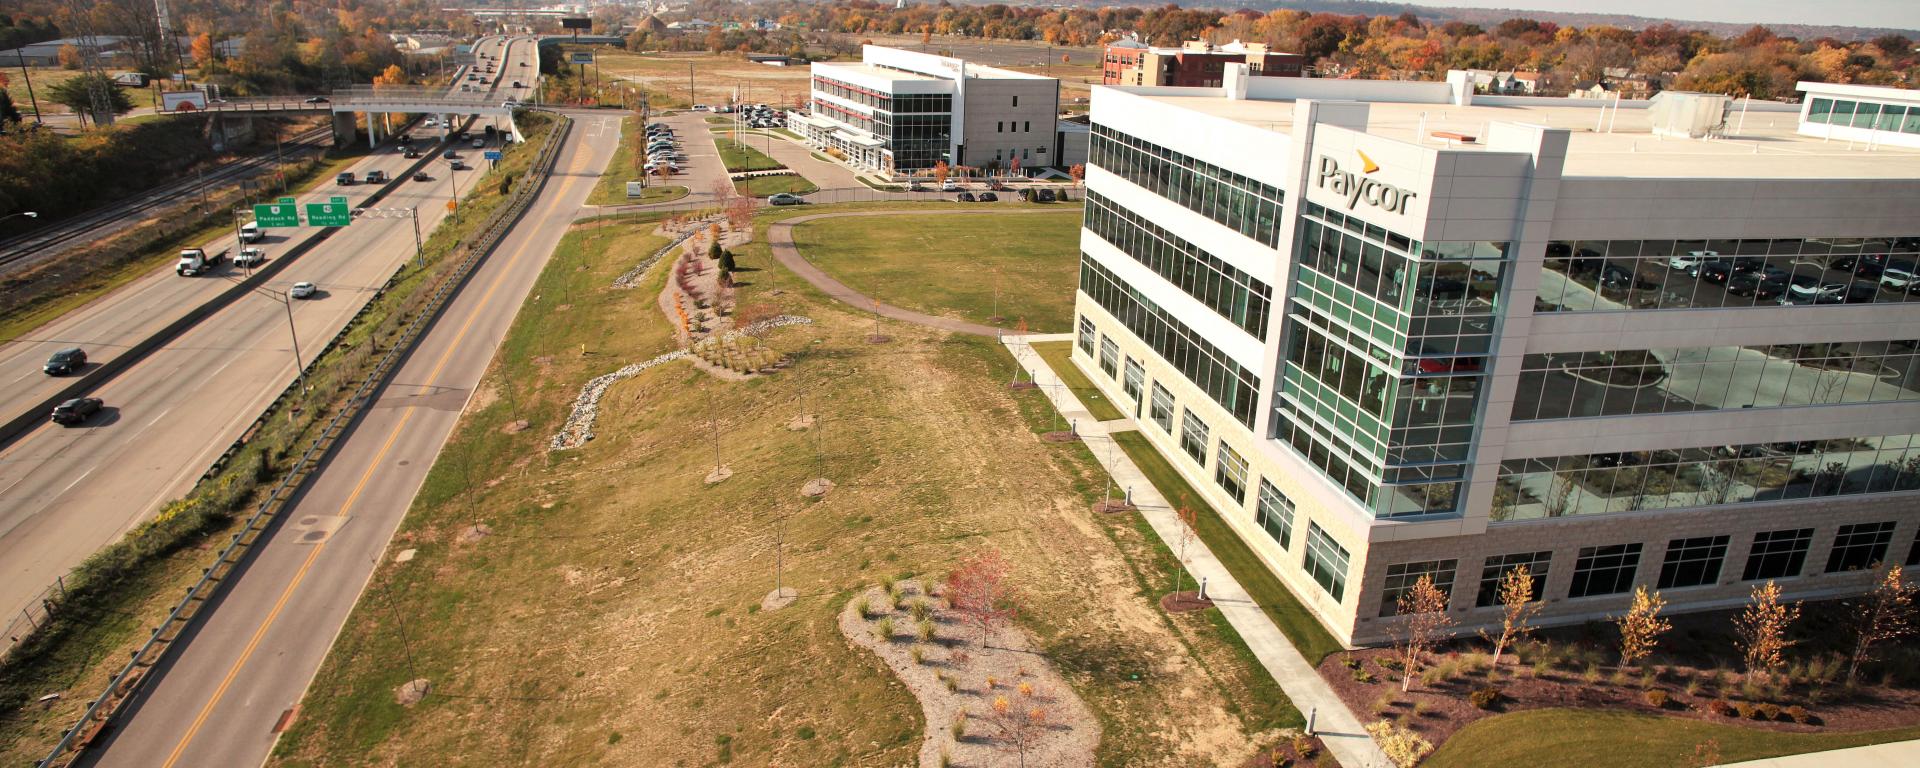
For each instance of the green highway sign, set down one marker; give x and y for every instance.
(280, 214)
(333, 213)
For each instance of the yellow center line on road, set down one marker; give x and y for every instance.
(253, 643)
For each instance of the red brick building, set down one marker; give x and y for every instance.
(1196, 64)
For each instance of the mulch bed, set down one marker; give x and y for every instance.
(1184, 602)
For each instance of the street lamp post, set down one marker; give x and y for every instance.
(28, 214)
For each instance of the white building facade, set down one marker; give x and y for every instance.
(1393, 329)
(903, 111)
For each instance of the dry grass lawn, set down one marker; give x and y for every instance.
(613, 615)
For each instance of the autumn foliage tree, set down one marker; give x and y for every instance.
(1018, 725)
(1641, 626)
(1884, 616)
(941, 172)
(1422, 622)
(1517, 607)
(1760, 630)
(978, 591)
(1078, 172)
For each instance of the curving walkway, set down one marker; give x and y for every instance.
(780, 239)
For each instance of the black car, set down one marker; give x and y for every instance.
(63, 362)
(1617, 276)
(1862, 292)
(1758, 285)
(76, 411)
(989, 197)
(1045, 196)
(965, 197)
(1871, 261)
(317, 100)
(449, 154)
(410, 153)
(459, 166)
(421, 176)
(1715, 271)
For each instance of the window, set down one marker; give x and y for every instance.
(1693, 562)
(1162, 410)
(1193, 436)
(1086, 335)
(1109, 356)
(1604, 570)
(1023, 153)
(1219, 376)
(1026, 126)
(1402, 577)
(1225, 289)
(1858, 546)
(1326, 562)
(1134, 380)
(1913, 554)
(1230, 473)
(1274, 513)
(1777, 554)
(1000, 127)
(1016, 101)
(1497, 568)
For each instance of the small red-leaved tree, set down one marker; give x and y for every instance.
(739, 210)
(1079, 173)
(979, 593)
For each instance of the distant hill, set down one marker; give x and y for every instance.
(1491, 16)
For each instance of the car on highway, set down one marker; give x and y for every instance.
(479, 143)
(376, 177)
(317, 100)
(345, 179)
(785, 198)
(65, 361)
(421, 176)
(449, 155)
(409, 153)
(303, 290)
(250, 258)
(76, 411)
(459, 166)
(517, 84)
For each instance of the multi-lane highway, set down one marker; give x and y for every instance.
(221, 699)
(65, 492)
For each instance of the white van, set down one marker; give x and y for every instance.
(250, 232)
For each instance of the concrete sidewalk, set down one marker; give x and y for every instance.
(1335, 724)
(1899, 754)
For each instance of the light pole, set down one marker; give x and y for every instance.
(28, 214)
(453, 203)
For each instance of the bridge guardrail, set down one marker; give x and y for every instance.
(128, 682)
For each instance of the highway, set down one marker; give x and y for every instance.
(66, 492)
(218, 702)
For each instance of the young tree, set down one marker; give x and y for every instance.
(1079, 173)
(1422, 617)
(77, 94)
(1187, 519)
(940, 172)
(979, 592)
(1018, 726)
(1517, 608)
(68, 56)
(1761, 630)
(1641, 627)
(1883, 616)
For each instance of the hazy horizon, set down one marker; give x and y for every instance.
(1901, 14)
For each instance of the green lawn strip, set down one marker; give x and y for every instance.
(740, 156)
(1058, 355)
(788, 134)
(720, 120)
(1300, 627)
(612, 187)
(762, 186)
(963, 266)
(131, 585)
(1581, 738)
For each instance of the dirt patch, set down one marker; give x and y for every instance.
(1184, 602)
(985, 703)
(719, 474)
(514, 427)
(801, 422)
(816, 488)
(483, 397)
(472, 534)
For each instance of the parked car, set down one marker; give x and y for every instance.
(1901, 276)
(989, 197)
(784, 198)
(965, 197)
(949, 186)
(65, 361)
(1046, 196)
(1621, 276)
(1807, 289)
(1691, 260)
(1449, 364)
(303, 290)
(1855, 263)
(1714, 271)
(1760, 286)
(1860, 292)
(76, 411)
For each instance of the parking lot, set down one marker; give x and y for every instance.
(1583, 281)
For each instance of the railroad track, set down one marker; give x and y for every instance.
(90, 225)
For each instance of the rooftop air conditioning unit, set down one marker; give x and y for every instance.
(1690, 115)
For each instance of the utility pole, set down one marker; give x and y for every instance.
(29, 77)
(299, 368)
(414, 213)
(690, 98)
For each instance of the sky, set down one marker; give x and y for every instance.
(1902, 14)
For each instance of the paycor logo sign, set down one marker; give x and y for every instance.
(1357, 189)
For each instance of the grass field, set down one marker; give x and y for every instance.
(762, 186)
(1294, 621)
(1056, 353)
(951, 265)
(44, 78)
(740, 156)
(612, 615)
(612, 187)
(1566, 738)
(715, 78)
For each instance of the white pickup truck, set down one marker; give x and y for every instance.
(250, 257)
(196, 261)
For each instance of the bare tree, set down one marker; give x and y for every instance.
(1884, 616)
(1019, 727)
(979, 592)
(1761, 630)
(1517, 607)
(1641, 627)
(1187, 519)
(1422, 612)
(1559, 495)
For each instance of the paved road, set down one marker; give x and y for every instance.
(217, 703)
(780, 240)
(64, 493)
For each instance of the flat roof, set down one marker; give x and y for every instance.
(1767, 144)
(882, 73)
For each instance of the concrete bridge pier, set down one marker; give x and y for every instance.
(343, 129)
(224, 131)
(373, 131)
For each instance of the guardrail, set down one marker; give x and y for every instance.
(128, 682)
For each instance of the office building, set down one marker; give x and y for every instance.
(902, 111)
(1194, 64)
(1397, 329)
